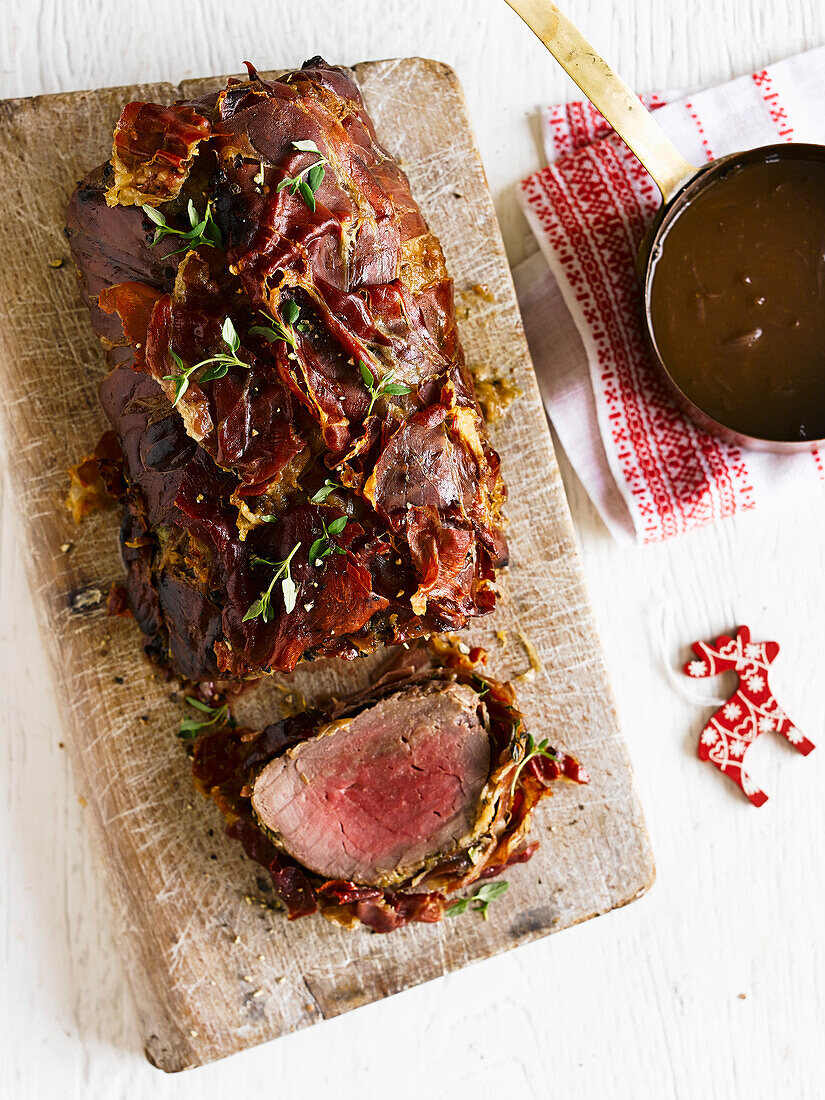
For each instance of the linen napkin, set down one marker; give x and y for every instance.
(649, 470)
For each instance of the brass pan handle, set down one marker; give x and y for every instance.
(608, 93)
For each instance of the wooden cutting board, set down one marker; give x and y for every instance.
(214, 966)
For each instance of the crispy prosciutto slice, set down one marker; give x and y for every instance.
(286, 382)
(152, 152)
(377, 809)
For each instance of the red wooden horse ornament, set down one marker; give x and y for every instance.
(751, 710)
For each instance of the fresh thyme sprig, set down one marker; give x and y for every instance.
(324, 546)
(263, 606)
(321, 495)
(383, 388)
(283, 329)
(481, 685)
(220, 363)
(203, 230)
(314, 173)
(480, 901)
(190, 727)
(531, 751)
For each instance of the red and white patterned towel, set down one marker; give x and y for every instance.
(651, 473)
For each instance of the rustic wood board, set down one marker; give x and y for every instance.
(214, 968)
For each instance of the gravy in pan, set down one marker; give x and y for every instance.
(737, 298)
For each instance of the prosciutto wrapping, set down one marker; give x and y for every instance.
(305, 468)
(376, 810)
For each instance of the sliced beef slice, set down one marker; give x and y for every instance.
(373, 798)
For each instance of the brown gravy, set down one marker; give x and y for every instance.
(737, 298)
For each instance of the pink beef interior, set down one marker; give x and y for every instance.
(370, 801)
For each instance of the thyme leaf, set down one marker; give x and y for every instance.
(480, 901)
(306, 182)
(202, 230)
(324, 545)
(181, 379)
(217, 365)
(531, 750)
(283, 329)
(481, 685)
(328, 487)
(190, 727)
(263, 605)
(489, 892)
(384, 388)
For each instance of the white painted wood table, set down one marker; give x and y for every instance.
(711, 986)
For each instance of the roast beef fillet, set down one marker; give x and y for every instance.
(375, 797)
(345, 399)
(375, 810)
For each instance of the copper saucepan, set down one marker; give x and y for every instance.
(678, 181)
